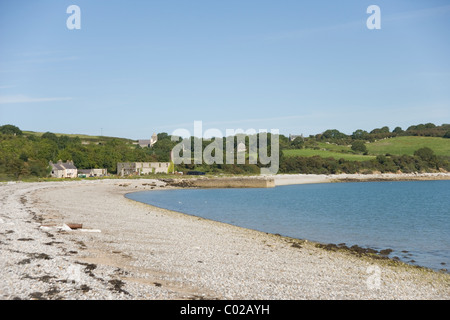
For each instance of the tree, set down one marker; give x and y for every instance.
(162, 136)
(163, 148)
(426, 154)
(10, 129)
(333, 134)
(398, 130)
(384, 129)
(360, 135)
(50, 136)
(359, 146)
(297, 143)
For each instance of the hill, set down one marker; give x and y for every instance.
(27, 154)
(83, 137)
(409, 144)
(326, 153)
(404, 145)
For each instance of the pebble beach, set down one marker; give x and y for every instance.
(125, 250)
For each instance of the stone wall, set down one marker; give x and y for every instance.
(222, 182)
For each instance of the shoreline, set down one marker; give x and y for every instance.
(354, 248)
(264, 181)
(270, 181)
(289, 179)
(366, 252)
(143, 252)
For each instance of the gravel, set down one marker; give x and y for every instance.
(128, 250)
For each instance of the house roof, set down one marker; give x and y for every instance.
(69, 166)
(63, 166)
(57, 167)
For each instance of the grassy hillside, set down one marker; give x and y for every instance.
(83, 137)
(407, 145)
(26, 154)
(394, 146)
(326, 154)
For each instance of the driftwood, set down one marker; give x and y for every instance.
(68, 227)
(74, 225)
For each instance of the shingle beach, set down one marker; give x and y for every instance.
(129, 250)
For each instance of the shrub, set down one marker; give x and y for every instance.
(359, 146)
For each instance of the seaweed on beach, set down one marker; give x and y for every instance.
(356, 250)
(42, 256)
(296, 245)
(24, 261)
(88, 268)
(37, 296)
(25, 239)
(117, 285)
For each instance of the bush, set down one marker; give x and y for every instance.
(359, 146)
(426, 154)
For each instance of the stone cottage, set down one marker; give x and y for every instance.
(63, 169)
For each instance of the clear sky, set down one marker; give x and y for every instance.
(141, 66)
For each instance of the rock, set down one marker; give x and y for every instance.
(385, 252)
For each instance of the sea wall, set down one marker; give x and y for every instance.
(231, 182)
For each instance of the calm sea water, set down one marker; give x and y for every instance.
(412, 216)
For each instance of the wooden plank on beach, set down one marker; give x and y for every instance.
(74, 226)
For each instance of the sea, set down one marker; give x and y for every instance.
(412, 218)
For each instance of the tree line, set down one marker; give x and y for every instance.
(425, 130)
(423, 160)
(28, 155)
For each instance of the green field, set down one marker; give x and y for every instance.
(394, 146)
(407, 145)
(326, 154)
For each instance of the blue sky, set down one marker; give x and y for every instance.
(138, 67)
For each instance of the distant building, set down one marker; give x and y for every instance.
(148, 143)
(63, 170)
(93, 172)
(140, 168)
(153, 140)
(292, 137)
(144, 143)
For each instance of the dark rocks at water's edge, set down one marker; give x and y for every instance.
(223, 182)
(357, 250)
(375, 254)
(370, 252)
(179, 183)
(385, 252)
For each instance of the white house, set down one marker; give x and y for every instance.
(139, 168)
(63, 170)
